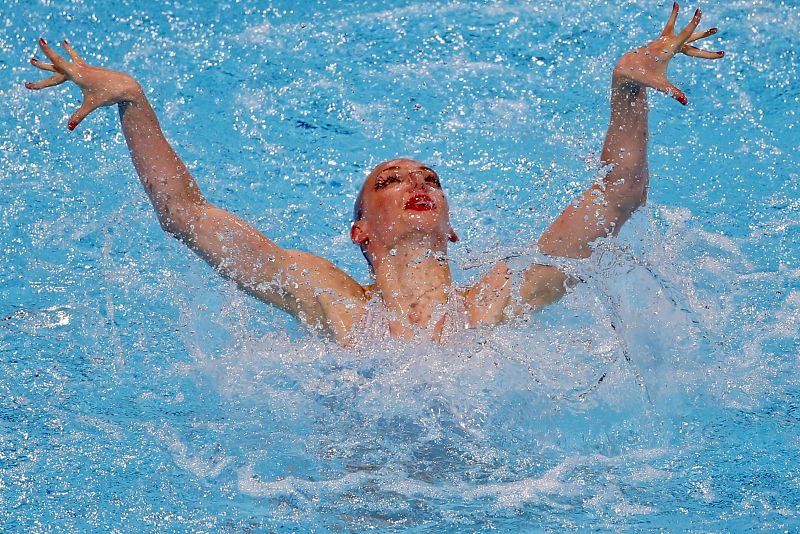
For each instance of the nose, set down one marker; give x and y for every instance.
(417, 179)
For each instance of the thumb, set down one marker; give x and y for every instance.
(79, 115)
(666, 87)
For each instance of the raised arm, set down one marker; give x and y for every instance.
(605, 207)
(308, 286)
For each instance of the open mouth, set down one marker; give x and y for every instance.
(420, 202)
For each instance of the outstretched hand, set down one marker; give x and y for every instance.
(100, 87)
(647, 66)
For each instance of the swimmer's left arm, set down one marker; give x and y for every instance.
(499, 295)
(605, 207)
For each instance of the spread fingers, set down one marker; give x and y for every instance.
(60, 64)
(47, 82)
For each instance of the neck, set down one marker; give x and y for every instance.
(413, 280)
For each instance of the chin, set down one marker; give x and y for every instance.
(424, 221)
(428, 230)
(423, 214)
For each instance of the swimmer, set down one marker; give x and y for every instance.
(401, 217)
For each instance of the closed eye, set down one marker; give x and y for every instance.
(383, 181)
(433, 180)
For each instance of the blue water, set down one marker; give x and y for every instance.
(139, 392)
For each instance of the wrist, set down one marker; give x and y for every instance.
(132, 92)
(623, 78)
(622, 83)
(625, 88)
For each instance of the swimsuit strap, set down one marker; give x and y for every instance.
(456, 318)
(374, 323)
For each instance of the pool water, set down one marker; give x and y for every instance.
(140, 392)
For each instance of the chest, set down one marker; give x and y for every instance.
(436, 322)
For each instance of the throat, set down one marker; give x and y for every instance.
(415, 308)
(413, 287)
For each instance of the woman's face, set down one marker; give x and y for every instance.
(402, 197)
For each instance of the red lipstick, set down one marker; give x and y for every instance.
(420, 202)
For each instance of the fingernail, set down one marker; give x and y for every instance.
(34, 60)
(28, 84)
(721, 54)
(66, 42)
(712, 30)
(42, 41)
(71, 125)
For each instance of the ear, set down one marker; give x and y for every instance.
(452, 236)
(358, 235)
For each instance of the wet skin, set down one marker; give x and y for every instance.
(403, 225)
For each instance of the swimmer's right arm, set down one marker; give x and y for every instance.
(303, 284)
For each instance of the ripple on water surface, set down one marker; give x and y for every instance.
(136, 389)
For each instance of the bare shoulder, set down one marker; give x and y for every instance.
(493, 299)
(543, 284)
(487, 300)
(320, 293)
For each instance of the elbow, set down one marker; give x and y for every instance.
(181, 222)
(173, 230)
(629, 198)
(627, 182)
(627, 205)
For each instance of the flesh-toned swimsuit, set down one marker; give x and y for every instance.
(375, 323)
